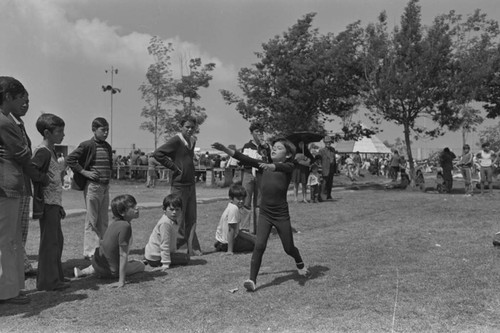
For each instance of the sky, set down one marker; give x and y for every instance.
(60, 50)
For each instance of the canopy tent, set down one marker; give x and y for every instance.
(372, 145)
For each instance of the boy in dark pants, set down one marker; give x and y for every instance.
(47, 205)
(274, 211)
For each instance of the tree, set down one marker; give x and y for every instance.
(491, 134)
(302, 78)
(187, 89)
(162, 89)
(474, 44)
(407, 74)
(158, 90)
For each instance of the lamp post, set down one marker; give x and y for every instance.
(112, 91)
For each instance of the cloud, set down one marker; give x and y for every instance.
(44, 25)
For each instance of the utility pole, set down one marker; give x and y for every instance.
(112, 91)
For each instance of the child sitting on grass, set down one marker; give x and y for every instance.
(161, 250)
(229, 237)
(276, 179)
(110, 260)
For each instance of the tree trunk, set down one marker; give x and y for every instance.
(410, 156)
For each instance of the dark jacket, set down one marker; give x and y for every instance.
(175, 155)
(83, 158)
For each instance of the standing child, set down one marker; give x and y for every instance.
(486, 158)
(92, 164)
(465, 164)
(229, 237)
(110, 260)
(161, 250)
(47, 205)
(314, 183)
(276, 178)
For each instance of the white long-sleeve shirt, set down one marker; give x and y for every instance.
(162, 241)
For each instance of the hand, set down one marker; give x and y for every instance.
(268, 166)
(116, 285)
(218, 146)
(62, 213)
(92, 175)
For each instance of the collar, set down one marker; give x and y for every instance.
(17, 121)
(190, 144)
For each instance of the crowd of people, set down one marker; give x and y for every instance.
(268, 169)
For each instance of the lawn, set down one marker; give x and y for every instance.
(381, 261)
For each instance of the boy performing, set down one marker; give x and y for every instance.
(274, 206)
(229, 237)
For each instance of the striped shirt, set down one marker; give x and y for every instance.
(102, 163)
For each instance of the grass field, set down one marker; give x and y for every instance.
(381, 261)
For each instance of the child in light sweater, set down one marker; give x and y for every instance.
(161, 250)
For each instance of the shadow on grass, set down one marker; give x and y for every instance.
(315, 272)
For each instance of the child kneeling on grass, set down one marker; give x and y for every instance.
(274, 211)
(161, 250)
(229, 238)
(110, 260)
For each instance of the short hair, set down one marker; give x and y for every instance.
(256, 126)
(289, 146)
(314, 166)
(237, 191)
(121, 203)
(48, 121)
(466, 146)
(99, 122)
(11, 86)
(485, 144)
(191, 119)
(173, 200)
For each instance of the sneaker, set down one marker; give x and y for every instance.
(78, 272)
(303, 271)
(249, 285)
(18, 300)
(496, 239)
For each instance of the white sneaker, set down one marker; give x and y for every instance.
(303, 271)
(249, 285)
(77, 272)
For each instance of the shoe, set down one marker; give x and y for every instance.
(78, 272)
(249, 285)
(61, 286)
(196, 253)
(18, 300)
(303, 271)
(496, 239)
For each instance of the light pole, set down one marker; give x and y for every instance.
(112, 91)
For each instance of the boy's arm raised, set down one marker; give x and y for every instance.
(237, 155)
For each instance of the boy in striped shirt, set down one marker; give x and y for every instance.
(92, 165)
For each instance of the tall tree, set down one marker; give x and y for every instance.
(158, 90)
(407, 74)
(187, 90)
(301, 79)
(491, 134)
(475, 41)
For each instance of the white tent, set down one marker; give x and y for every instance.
(372, 145)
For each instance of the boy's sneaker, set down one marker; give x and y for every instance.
(249, 285)
(496, 239)
(77, 271)
(303, 271)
